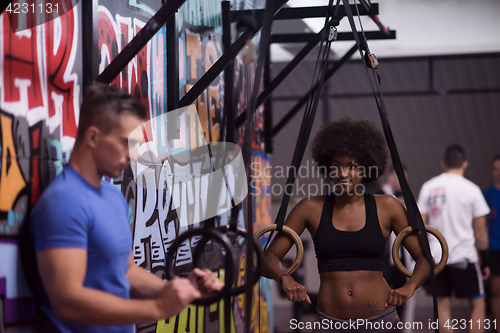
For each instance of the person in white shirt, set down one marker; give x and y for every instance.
(456, 207)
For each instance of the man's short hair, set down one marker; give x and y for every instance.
(390, 169)
(495, 158)
(102, 105)
(454, 157)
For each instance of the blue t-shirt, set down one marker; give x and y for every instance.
(71, 213)
(492, 196)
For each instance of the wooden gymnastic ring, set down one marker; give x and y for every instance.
(296, 239)
(403, 234)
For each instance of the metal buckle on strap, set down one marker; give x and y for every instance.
(371, 60)
(333, 34)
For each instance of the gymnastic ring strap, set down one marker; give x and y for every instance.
(230, 261)
(308, 118)
(296, 239)
(414, 215)
(254, 275)
(405, 233)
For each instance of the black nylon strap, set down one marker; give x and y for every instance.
(414, 215)
(305, 128)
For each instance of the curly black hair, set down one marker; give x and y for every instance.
(360, 139)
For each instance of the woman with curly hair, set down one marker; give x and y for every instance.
(349, 229)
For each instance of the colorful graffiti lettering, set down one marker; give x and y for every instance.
(37, 74)
(113, 35)
(206, 14)
(153, 219)
(262, 185)
(39, 99)
(39, 110)
(200, 53)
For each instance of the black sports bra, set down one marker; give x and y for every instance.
(338, 250)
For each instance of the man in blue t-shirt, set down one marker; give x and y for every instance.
(492, 196)
(79, 226)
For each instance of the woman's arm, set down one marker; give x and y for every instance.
(279, 247)
(399, 221)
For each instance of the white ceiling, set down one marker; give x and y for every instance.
(423, 27)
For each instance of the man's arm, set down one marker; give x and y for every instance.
(62, 271)
(482, 243)
(143, 284)
(424, 218)
(481, 232)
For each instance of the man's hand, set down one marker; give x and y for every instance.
(484, 263)
(205, 281)
(63, 272)
(180, 292)
(485, 271)
(175, 296)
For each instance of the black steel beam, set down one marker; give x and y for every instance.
(224, 60)
(313, 39)
(172, 45)
(140, 40)
(227, 121)
(4, 5)
(263, 96)
(305, 98)
(305, 12)
(227, 126)
(341, 36)
(89, 41)
(268, 108)
(289, 68)
(415, 93)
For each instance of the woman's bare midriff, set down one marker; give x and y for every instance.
(352, 294)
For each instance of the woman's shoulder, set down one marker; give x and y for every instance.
(310, 204)
(387, 202)
(308, 210)
(313, 200)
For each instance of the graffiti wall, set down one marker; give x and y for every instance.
(39, 103)
(40, 94)
(153, 220)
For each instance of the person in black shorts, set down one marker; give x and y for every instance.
(456, 207)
